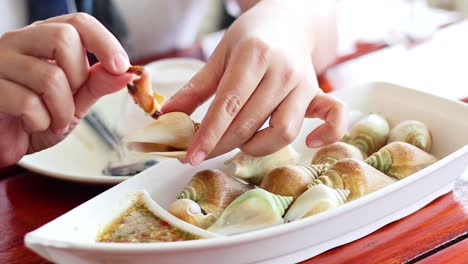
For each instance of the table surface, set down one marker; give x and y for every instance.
(438, 233)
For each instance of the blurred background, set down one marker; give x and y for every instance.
(397, 41)
(147, 28)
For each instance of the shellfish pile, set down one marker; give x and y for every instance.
(252, 193)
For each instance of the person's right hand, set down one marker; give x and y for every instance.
(46, 83)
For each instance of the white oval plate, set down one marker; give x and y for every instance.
(71, 237)
(82, 156)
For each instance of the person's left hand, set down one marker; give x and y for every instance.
(263, 68)
(46, 83)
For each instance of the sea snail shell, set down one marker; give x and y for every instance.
(400, 159)
(291, 180)
(413, 132)
(213, 190)
(254, 169)
(254, 209)
(168, 136)
(318, 198)
(369, 134)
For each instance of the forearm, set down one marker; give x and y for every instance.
(319, 20)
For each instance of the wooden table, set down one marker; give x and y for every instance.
(438, 233)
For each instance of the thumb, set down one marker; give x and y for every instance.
(99, 83)
(199, 89)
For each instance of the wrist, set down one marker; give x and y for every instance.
(301, 16)
(318, 21)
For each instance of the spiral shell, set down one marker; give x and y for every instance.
(255, 209)
(356, 176)
(213, 190)
(369, 134)
(318, 198)
(413, 132)
(400, 159)
(291, 180)
(145, 199)
(339, 150)
(168, 136)
(254, 169)
(191, 212)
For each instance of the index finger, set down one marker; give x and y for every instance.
(96, 39)
(241, 77)
(334, 113)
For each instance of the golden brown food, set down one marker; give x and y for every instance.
(142, 93)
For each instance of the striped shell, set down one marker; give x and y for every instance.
(213, 190)
(255, 209)
(317, 199)
(369, 134)
(354, 175)
(413, 132)
(332, 153)
(400, 159)
(292, 180)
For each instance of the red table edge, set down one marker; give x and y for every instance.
(440, 253)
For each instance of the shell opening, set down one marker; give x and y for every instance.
(203, 211)
(195, 210)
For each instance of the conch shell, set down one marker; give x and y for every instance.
(168, 136)
(369, 134)
(164, 215)
(400, 159)
(213, 190)
(357, 176)
(142, 93)
(291, 180)
(254, 169)
(191, 212)
(316, 199)
(339, 150)
(413, 132)
(252, 210)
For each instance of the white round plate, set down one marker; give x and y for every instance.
(83, 155)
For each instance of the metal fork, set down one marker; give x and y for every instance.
(120, 168)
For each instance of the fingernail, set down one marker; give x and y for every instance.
(315, 143)
(61, 131)
(197, 158)
(121, 63)
(183, 160)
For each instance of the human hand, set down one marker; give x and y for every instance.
(262, 68)
(46, 82)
